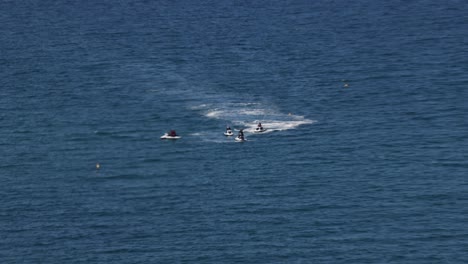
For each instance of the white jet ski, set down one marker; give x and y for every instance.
(166, 136)
(240, 139)
(228, 133)
(259, 130)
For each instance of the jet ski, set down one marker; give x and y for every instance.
(166, 136)
(259, 130)
(228, 132)
(239, 139)
(170, 135)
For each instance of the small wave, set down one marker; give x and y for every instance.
(252, 112)
(215, 114)
(199, 107)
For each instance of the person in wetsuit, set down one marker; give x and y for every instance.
(259, 126)
(241, 134)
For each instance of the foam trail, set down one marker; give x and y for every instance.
(248, 115)
(274, 125)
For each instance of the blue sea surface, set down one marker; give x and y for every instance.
(365, 159)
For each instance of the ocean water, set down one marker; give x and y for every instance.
(365, 159)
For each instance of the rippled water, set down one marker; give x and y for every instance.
(364, 160)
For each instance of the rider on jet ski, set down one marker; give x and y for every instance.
(241, 134)
(259, 126)
(172, 133)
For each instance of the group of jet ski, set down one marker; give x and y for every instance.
(240, 136)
